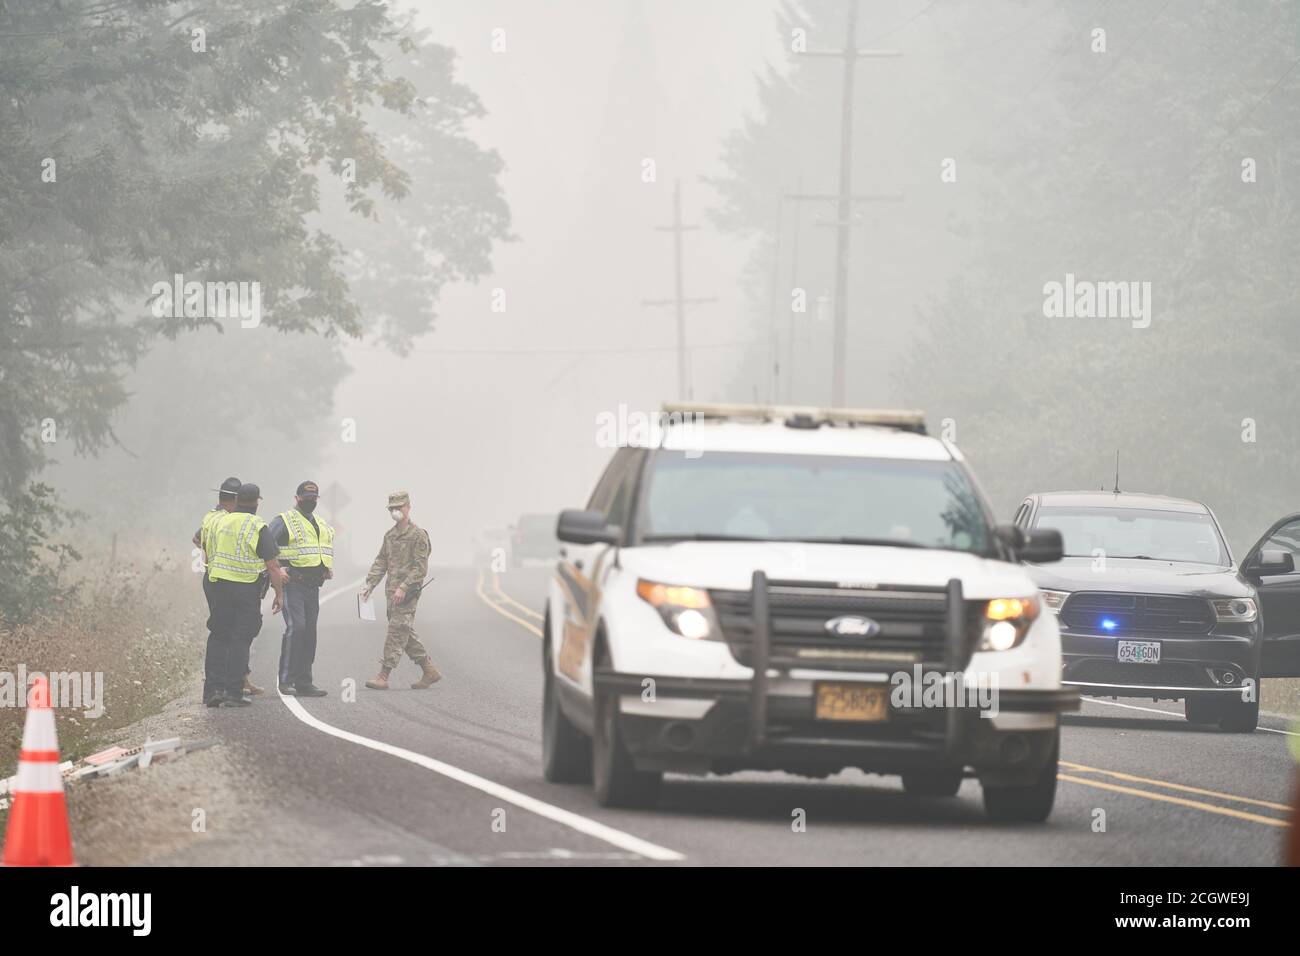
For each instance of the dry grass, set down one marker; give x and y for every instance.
(141, 628)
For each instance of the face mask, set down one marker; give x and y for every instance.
(396, 513)
(307, 506)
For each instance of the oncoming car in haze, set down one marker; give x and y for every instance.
(533, 538)
(1151, 604)
(750, 593)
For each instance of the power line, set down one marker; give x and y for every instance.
(608, 350)
(1241, 122)
(1119, 59)
(908, 22)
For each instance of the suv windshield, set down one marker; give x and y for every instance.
(775, 497)
(1136, 533)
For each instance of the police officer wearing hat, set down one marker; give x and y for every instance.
(306, 544)
(241, 564)
(227, 495)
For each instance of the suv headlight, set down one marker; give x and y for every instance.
(686, 611)
(1235, 610)
(1006, 622)
(1054, 600)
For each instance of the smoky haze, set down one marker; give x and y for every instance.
(1006, 150)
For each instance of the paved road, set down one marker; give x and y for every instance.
(451, 775)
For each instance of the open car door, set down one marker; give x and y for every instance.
(1279, 595)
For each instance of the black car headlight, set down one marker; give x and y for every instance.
(1054, 600)
(686, 611)
(1235, 610)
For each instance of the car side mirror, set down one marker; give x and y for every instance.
(1270, 562)
(1040, 546)
(586, 527)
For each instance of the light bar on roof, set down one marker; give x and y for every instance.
(910, 419)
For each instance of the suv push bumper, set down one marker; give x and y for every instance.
(749, 727)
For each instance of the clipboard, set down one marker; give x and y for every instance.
(365, 609)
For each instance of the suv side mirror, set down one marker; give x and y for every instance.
(586, 527)
(1270, 562)
(1040, 546)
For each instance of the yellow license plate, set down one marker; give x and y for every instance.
(852, 702)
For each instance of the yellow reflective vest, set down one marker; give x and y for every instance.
(233, 548)
(306, 548)
(205, 532)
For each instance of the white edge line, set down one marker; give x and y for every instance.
(1173, 713)
(624, 841)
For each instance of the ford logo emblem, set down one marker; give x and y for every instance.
(850, 625)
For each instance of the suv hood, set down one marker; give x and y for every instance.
(1137, 575)
(731, 565)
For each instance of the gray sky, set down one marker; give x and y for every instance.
(573, 108)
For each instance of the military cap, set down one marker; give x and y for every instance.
(398, 498)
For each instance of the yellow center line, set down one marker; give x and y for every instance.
(478, 587)
(496, 586)
(1194, 804)
(1131, 778)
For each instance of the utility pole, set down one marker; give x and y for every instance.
(679, 301)
(850, 54)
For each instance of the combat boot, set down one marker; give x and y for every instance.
(250, 688)
(380, 682)
(431, 676)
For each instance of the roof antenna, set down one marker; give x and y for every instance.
(1116, 471)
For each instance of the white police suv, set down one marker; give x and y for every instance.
(801, 590)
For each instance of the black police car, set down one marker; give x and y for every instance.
(1151, 603)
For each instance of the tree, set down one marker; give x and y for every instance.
(142, 140)
(1138, 175)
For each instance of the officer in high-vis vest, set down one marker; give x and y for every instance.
(240, 566)
(306, 544)
(226, 497)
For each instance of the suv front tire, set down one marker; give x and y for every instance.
(566, 750)
(616, 780)
(1027, 803)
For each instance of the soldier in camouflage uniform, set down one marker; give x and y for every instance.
(404, 558)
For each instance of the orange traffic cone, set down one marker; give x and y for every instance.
(38, 820)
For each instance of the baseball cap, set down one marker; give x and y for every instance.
(229, 487)
(248, 493)
(308, 489)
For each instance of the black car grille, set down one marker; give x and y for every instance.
(1136, 613)
(912, 625)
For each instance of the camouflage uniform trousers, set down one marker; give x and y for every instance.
(401, 634)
